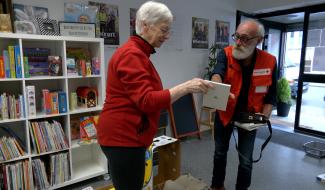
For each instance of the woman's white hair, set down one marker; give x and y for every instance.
(152, 13)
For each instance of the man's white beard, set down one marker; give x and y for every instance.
(241, 52)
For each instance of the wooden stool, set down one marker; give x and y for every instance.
(210, 118)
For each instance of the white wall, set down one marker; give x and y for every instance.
(271, 5)
(175, 65)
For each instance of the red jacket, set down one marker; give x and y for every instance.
(260, 81)
(134, 97)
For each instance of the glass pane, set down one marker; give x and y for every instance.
(273, 42)
(312, 114)
(315, 54)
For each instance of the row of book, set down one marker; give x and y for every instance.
(11, 106)
(58, 169)
(10, 148)
(10, 63)
(77, 67)
(47, 136)
(16, 176)
(54, 102)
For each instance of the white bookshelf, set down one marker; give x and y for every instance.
(85, 161)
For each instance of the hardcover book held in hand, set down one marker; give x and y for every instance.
(217, 97)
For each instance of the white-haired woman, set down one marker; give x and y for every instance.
(135, 96)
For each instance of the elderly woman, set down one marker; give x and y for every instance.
(135, 96)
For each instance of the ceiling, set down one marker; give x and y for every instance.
(296, 17)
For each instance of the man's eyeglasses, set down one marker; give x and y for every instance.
(243, 39)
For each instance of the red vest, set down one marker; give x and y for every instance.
(260, 81)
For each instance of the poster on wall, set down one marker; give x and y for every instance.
(107, 23)
(74, 12)
(222, 34)
(24, 18)
(133, 13)
(200, 33)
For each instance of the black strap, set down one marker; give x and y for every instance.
(263, 145)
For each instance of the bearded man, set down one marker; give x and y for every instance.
(251, 73)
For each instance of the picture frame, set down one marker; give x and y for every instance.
(77, 29)
(48, 27)
(6, 8)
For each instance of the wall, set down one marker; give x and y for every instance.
(174, 64)
(271, 5)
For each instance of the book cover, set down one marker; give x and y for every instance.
(95, 66)
(46, 101)
(55, 65)
(71, 67)
(54, 103)
(31, 103)
(62, 96)
(18, 62)
(87, 128)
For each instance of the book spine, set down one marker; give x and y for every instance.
(62, 102)
(6, 62)
(11, 51)
(18, 62)
(2, 68)
(31, 103)
(26, 67)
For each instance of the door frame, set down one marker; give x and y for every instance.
(317, 78)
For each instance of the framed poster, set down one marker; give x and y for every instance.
(222, 34)
(25, 17)
(48, 27)
(133, 13)
(77, 29)
(74, 12)
(200, 33)
(107, 23)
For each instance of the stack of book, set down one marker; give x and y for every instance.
(10, 63)
(47, 136)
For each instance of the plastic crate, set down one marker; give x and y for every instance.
(315, 149)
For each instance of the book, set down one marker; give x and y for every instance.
(31, 102)
(2, 68)
(55, 65)
(6, 61)
(26, 67)
(87, 128)
(18, 62)
(71, 67)
(95, 66)
(11, 52)
(217, 97)
(75, 128)
(62, 96)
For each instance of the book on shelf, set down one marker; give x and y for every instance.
(75, 128)
(55, 65)
(95, 66)
(6, 61)
(71, 67)
(26, 67)
(18, 62)
(31, 102)
(87, 128)
(2, 68)
(11, 53)
(62, 99)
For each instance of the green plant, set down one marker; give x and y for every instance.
(283, 91)
(212, 61)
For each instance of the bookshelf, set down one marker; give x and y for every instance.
(83, 161)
